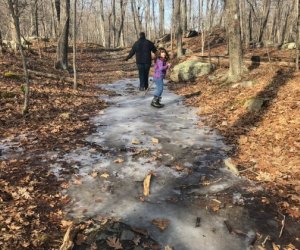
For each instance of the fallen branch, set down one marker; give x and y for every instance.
(282, 225)
(55, 77)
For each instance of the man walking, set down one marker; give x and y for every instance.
(142, 49)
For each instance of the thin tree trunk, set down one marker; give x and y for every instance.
(15, 18)
(297, 34)
(113, 11)
(102, 24)
(122, 9)
(34, 19)
(134, 19)
(161, 17)
(74, 43)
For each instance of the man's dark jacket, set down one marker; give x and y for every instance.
(142, 49)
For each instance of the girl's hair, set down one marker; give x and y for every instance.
(158, 52)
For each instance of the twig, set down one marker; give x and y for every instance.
(264, 242)
(282, 224)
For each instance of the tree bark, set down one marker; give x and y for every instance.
(184, 11)
(102, 24)
(63, 41)
(178, 27)
(75, 85)
(122, 9)
(297, 33)
(161, 17)
(236, 66)
(34, 19)
(13, 9)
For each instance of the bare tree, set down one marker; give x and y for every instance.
(234, 40)
(177, 12)
(122, 9)
(102, 24)
(184, 11)
(63, 40)
(14, 12)
(297, 33)
(74, 42)
(161, 17)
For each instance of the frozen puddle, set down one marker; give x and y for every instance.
(109, 182)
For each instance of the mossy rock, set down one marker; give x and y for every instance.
(10, 74)
(7, 95)
(189, 70)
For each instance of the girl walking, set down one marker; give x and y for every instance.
(160, 69)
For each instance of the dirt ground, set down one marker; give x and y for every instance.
(266, 143)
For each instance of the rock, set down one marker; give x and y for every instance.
(231, 166)
(127, 235)
(65, 116)
(289, 46)
(254, 104)
(188, 52)
(11, 74)
(164, 39)
(246, 84)
(189, 70)
(191, 33)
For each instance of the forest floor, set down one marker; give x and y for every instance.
(265, 143)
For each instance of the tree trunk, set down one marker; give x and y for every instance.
(161, 17)
(63, 41)
(57, 7)
(13, 9)
(184, 16)
(147, 19)
(134, 19)
(178, 27)
(1, 44)
(297, 34)
(102, 24)
(34, 19)
(113, 14)
(122, 9)
(264, 19)
(234, 40)
(75, 86)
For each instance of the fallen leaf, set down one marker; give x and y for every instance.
(119, 160)
(168, 248)
(275, 247)
(66, 223)
(80, 239)
(114, 243)
(135, 141)
(136, 240)
(77, 182)
(155, 140)
(105, 175)
(147, 184)
(94, 174)
(162, 224)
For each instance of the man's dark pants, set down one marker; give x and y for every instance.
(144, 69)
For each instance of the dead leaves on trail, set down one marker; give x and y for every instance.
(114, 243)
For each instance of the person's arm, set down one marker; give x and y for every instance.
(131, 53)
(153, 48)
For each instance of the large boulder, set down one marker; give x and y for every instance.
(289, 46)
(189, 70)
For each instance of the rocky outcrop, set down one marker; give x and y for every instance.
(189, 70)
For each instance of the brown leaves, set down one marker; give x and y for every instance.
(114, 243)
(162, 224)
(147, 184)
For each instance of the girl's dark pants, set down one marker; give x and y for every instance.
(144, 69)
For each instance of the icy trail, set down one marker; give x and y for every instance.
(183, 159)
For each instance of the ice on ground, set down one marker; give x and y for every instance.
(183, 155)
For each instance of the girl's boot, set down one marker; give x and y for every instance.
(155, 102)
